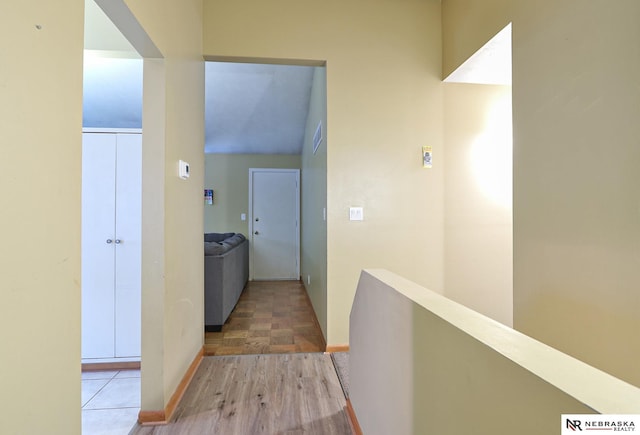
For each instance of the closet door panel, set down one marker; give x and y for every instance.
(98, 254)
(128, 210)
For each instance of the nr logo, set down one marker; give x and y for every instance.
(574, 425)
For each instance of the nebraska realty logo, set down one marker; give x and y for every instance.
(572, 423)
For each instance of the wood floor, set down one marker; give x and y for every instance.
(260, 394)
(270, 317)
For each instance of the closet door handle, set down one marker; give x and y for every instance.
(109, 241)
(118, 241)
(256, 233)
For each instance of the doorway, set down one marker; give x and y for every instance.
(111, 198)
(265, 114)
(111, 225)
(274, 230)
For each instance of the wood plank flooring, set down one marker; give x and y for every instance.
(270, 317)
(260, 394)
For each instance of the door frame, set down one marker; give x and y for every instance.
(252, 171)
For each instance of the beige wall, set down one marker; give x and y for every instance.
(314, 202)
(228, 176)
(461, 369)
(469, 24)
(384, 102)
(576, 97)
(40, 172)
(478, 250)
(173, 129)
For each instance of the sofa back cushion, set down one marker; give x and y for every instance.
(214, 248)
(216, 237)
(234, 240)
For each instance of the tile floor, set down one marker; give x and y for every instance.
(270, 317)
(110, 402)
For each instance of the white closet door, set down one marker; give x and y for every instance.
(98, 254)
(128, 247)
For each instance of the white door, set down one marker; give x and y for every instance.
(274, 210)
(128, 216)
(111, 248)
(98, 248)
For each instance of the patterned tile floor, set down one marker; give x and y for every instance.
(270, 317)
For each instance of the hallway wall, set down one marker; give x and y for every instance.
(384, 102)
(576, 101)
(228, 176)
(478, 229)
(40, 162)
(314, 200)
(173, 130)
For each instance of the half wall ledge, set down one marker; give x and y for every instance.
(421, 363)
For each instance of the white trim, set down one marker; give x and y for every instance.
(110, 360)
(112, 54)
(112, 130)
(250, 235)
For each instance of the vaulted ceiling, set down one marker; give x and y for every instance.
(256, 108)
(249, 108)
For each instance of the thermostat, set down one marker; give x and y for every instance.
(183, 169)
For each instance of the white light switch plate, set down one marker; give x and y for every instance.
(356, 214)
(183, 169)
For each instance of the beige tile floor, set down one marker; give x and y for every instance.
(110, 401)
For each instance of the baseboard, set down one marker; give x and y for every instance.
(357, 430)
(154, 418)
(117, 365)
(337, 348)
(323, 345)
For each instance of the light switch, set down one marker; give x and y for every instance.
(243, 217)
(183, 169)
(356, 214)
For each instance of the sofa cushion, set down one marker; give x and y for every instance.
(234, 240)
(214, 248)
(216, 237)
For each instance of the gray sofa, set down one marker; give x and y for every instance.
(226, 272)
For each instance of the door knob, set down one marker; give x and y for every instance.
(118, 241)
(257, 219)
(256, 233)
(109, 241)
